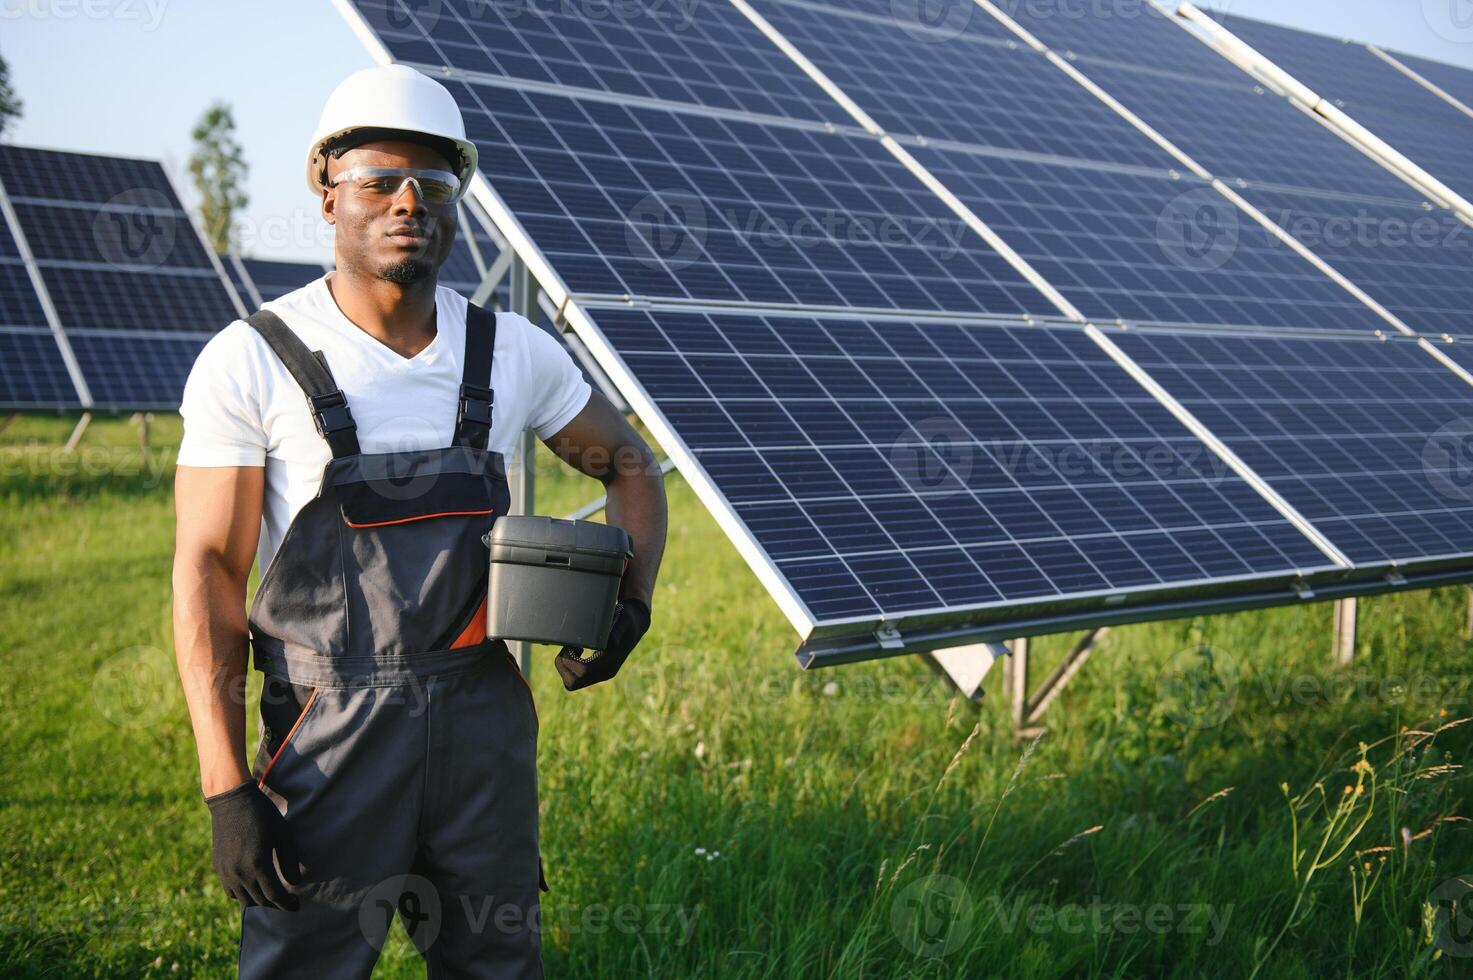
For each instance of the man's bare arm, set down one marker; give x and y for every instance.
(217, 526)
(600, 443)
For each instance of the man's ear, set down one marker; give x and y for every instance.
(329, 205)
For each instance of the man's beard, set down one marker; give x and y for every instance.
(406, 271)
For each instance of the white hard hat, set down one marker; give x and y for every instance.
(393, 98)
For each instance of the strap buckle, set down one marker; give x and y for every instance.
(330, 412)
(476, 404)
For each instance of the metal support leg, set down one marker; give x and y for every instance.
(1468, 626)
(491, 278)
(1015, 681)
(1028, 710)
(1345, 623)
(141, 419)
(1063, 674)
(77, 431)
(523, 476)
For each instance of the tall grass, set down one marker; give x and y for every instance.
(716, 812)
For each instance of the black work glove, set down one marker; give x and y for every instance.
(631, 621)
(247, 828)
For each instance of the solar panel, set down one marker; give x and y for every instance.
(1144, 247)
(32, 373)
(704, 54)
(951, 20)
(927, 82)
(1414, 259)
(274, 278)
(865, 412)
(136, 235)
(1422, 126)
(122, 300)
(1341, 70)
(19, 304)
(1455, 81)
(1369, 224)
(240, 280)
(824, 434)
(659, 204)
(56, 175)
(1134, 33)
(1237, 131)
(133, 373)
(118, 256)
(1346, 429)
(9, 251)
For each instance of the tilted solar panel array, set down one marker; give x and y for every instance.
(1362, 219)
(896, 425)
(135, 292)
(1434, 134)
(1337, 424)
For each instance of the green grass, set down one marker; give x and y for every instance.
(1185, 817)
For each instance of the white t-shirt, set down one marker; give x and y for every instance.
(242, 408)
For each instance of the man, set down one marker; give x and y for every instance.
(361, 422)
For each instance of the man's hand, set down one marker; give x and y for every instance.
(631, 622)
(247, 830)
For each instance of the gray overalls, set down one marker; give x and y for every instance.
(400, 743)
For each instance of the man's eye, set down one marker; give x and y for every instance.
(379, 185)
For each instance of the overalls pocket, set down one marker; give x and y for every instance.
(412, 531)
(380, 503)
(284, 706)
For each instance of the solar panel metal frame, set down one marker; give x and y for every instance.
(839, 641)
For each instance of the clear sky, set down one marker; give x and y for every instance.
(132, 76)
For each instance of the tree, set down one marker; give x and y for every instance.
(219, 170)
(10, 106)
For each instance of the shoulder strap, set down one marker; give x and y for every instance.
(309, 368)
(473, 418)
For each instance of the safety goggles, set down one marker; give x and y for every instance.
(387, 183)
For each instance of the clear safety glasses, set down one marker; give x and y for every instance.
(387, 183)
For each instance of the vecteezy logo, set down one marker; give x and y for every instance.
(1451, 20)
(934, 455)
(1447, 459)
(1198, 230)
(136, 229)
(932, 916)
(667, 229)
(1452, 908)
(932, 20)
(1199, 687)
(410, 16)
(134, 688)
(415, 899)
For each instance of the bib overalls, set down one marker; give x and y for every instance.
(398, 741)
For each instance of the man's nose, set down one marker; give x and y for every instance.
(408, 200)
